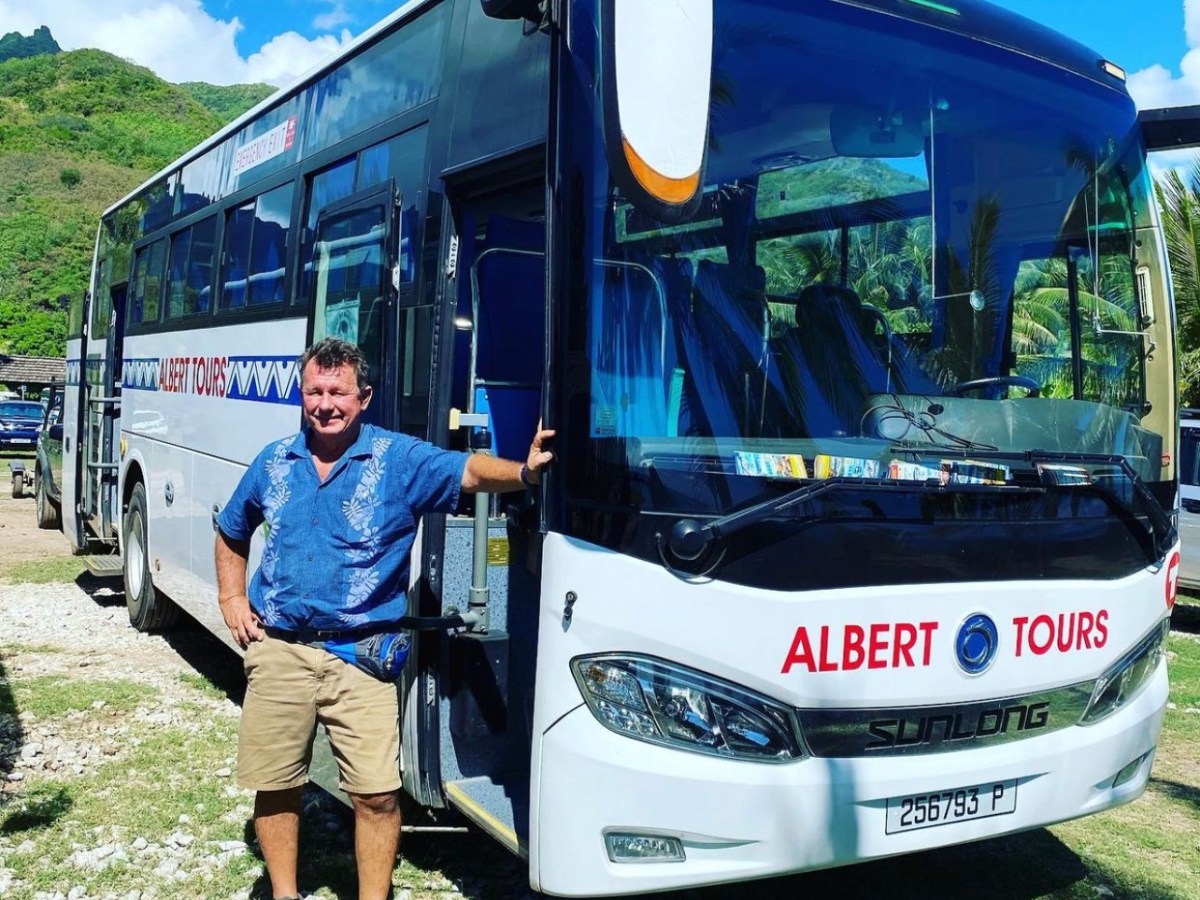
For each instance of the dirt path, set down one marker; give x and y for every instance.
(20, 539)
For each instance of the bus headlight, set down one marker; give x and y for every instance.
(663, 703)
(1122, 680)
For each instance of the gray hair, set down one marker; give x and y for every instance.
(331, 354)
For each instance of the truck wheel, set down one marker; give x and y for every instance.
(148, 609)
(49, 514)
(18, 490)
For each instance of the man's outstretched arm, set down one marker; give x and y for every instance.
(499, 476)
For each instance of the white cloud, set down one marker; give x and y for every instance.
(177, 39)
(1156, 86)
(1191, 22)
(335, 18)
(289, 55)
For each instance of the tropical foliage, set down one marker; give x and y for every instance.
(78, 131)
(1179, 201)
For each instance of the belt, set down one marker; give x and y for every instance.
(316, 636)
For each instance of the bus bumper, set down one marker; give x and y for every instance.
(740, 821)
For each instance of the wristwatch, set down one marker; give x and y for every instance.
(525, 476)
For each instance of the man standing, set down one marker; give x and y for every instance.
(341, 501)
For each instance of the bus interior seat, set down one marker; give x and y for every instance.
(833, 353)
(511, 317)
(730, 347)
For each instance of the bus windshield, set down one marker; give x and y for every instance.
(915, 253)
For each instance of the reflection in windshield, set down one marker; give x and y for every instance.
(909, 242)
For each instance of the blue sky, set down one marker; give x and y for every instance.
(231, 41)
(1135, 34)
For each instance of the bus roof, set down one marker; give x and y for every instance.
(277, 98)
(976, 19)
(984, 21)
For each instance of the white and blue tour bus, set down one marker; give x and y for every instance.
(854, 322)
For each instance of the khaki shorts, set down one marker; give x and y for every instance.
(292, 687)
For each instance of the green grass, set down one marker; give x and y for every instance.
(50, 696)
(56, 570)
(168, 773)
(202, 684)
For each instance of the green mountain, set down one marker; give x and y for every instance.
(15, 45)
(227, 101)
(78, 131)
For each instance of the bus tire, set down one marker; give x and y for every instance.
(49, 514)
(18, 485)
(148, 609)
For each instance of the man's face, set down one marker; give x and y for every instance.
(332, 400)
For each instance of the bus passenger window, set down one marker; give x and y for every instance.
(147, 283)
(256, 240)
(238, 229)
(190, 281)
(268, 248)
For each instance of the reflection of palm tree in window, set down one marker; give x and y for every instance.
(1098, 233)
(966, 351)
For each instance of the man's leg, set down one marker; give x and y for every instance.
(275, 749)
(376, 840)
(277, 824)
(361, 715)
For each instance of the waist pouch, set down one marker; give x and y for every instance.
(380, 655)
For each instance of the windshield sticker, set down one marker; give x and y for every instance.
(770, 465)
(605, 422)
(906, 471)
(846, 467)
(969, 471)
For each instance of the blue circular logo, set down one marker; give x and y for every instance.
(976, 643)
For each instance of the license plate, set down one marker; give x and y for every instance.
(21, 441)
(980, 801)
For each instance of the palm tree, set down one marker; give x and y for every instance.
(1179, 202)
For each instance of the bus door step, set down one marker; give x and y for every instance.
(501, 808)
(108, 566)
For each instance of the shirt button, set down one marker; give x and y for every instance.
(314, 521)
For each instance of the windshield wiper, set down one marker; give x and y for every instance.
(1162, 531)
(691, 539)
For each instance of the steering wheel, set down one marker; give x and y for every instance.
(978, 384)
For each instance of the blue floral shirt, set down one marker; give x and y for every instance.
(336, 555)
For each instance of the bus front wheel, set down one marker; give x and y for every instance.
(148, 609)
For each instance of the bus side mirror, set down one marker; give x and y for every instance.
(512, 9)
(656, 90)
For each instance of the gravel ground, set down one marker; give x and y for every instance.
(79, 632)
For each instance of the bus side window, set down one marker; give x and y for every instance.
(189, 284)
(236, 268)
(147, 283)
(268, 245)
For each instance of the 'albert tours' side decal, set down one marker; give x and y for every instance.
(261, 379)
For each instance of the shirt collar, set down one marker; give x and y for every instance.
(362, 448)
